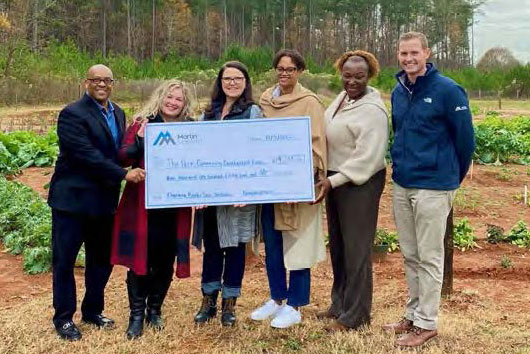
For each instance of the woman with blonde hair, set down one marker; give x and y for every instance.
(357, 139)
(147, 241)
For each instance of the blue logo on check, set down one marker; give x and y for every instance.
(164, 137)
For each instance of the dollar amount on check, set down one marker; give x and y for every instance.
(228, 162)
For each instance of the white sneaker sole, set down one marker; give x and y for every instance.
(284, 326)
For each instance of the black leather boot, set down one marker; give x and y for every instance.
(228, 316)
(159, 285)
(208, 308)
(137, 290)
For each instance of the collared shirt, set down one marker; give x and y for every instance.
(108, 115)
(276, 93)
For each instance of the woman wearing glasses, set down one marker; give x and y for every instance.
(292, 231)
(225, 230)
(147, 241)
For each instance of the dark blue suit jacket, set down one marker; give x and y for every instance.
(87, 176)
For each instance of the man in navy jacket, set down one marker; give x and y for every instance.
(84, 193)
(432, 150)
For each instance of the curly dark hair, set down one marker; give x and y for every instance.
(295, 56)
(373, 64)
(218, 97)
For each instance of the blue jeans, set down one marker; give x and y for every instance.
(226, 263)
(299, 280)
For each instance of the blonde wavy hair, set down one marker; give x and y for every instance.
(154, 105)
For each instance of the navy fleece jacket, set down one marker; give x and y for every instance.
(433, 132)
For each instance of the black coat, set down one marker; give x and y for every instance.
(87, 176)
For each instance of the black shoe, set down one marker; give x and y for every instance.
(159, 285)
(228, 317)
(99, 321)
(68, 331)
(137, 291)
(208, 308)
(154, 320)
(136, 327)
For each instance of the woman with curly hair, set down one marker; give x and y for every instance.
(357, 138)
(147, 241)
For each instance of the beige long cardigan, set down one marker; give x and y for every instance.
(301, 223)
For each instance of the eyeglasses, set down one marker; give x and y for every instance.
(289, 70)
(235, 79)
(108, 81)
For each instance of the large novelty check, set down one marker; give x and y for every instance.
(228, 162)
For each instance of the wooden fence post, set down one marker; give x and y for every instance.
(447, 284)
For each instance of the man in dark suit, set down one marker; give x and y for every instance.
(84, 194)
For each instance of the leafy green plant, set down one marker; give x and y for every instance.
(22, 149)
(385, 238)
(495, 234)
(502, 140)
(519, 235)
(463, 236)
(25, 225)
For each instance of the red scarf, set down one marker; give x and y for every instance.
(129, 236)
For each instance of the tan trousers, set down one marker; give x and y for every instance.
(421, 217)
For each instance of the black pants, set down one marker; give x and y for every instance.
(69, 231)
(161, 241)
(226, 263)
(352, 220)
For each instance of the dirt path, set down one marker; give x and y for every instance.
(15, 285)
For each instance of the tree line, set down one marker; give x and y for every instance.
(320, 29)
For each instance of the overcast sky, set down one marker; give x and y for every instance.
(503, 23)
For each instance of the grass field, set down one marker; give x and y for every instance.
(470, 323)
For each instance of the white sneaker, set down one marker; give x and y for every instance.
(269, 309)
(286, 317)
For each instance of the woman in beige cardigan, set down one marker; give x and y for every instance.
(357, 136)
(292, 231)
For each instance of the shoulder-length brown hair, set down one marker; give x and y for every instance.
(218, 97)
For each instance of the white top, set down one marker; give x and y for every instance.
(357, 138)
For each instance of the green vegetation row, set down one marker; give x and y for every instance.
(22, 149)
(503, 140)
(464, 237)
(25, 225)
(64, 61)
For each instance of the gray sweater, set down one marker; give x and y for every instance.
(357, 138)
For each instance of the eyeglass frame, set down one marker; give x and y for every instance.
(235, 79)
(289, 71)
(96, 81)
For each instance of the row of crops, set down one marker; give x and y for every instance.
(25, 218)
(22, 149)
(465, 238)
(503, 140)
